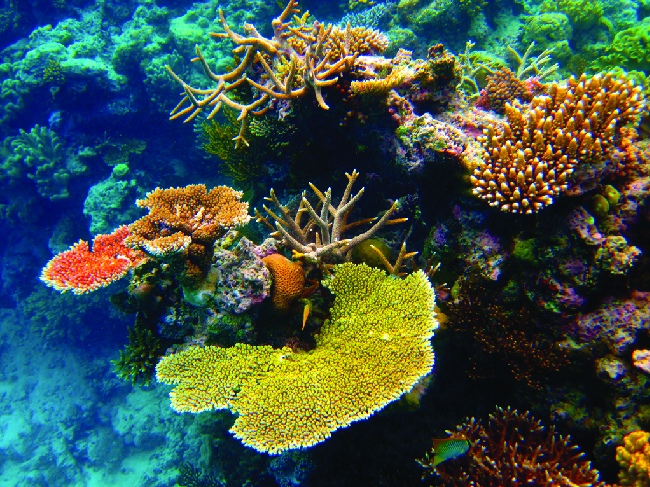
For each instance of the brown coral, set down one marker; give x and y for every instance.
(530, 160)
(514, 449)
(186, 222)
(503, 87)
(288, 280)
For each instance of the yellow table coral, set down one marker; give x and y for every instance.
(634, 458)
(375, 347)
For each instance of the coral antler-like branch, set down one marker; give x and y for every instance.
(314, 55)
(331, 223)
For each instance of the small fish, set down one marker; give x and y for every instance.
(449, 448)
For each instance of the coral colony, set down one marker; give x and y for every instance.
(482, 240)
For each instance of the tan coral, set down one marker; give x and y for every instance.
(322, 234)
(529, 160)
(299, 59)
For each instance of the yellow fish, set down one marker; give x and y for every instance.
(449, 448)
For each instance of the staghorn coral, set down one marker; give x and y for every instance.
(329, 241)
(375, 347)
(81, 270)
(634, 458)
(513, 449)
(300, 58)
(530, 160)
(288, 280)
(185, 222)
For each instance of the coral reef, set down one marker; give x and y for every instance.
(363, 360)
(617, 321)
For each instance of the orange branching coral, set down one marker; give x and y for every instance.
(288, 280)
(530, 160)
(514, 449)
(300, 58)
(504, 87)
(186, 222)
(81, 270)
(634, 458)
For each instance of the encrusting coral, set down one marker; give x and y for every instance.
(81, 270)
(186, 222)
(300, 58)
(328, 227)
(513, 449)
(375, 347)
(634, 458)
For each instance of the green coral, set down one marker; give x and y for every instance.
(109, 203)
(629, 50)
(39, 156)
(138, 359)
(584, 14)
(375, 348)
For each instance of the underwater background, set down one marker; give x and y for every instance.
(185, 302)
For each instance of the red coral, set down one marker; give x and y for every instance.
(81, 270)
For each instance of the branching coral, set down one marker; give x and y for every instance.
(634, 458)
(40, 156)
(375, 347)
(81, 270)
(327, 228)
(513, 449)
(299, 59)
(530, 160)
(185, 222)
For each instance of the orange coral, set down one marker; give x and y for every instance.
(181, 216)
(530, 159)
(185, 222)
(288, 280)
(503, 87)
(82, 271)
